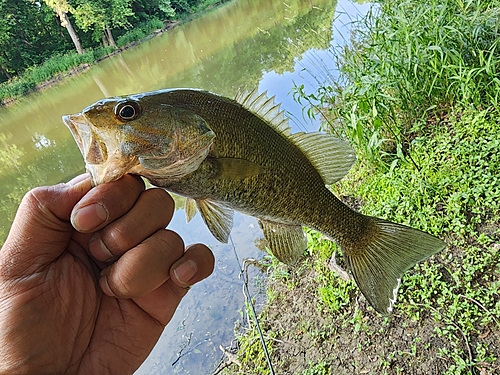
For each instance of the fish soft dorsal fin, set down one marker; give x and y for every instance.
(331, 156)
(265, 107)
(286, 242)
(218, 218)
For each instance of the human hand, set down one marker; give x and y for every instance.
(70, 304)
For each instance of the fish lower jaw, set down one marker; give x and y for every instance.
(109, 171)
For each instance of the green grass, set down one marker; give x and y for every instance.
(453, 194)
(139, 32)
(22, 85)
(409, 61)
(418, 98)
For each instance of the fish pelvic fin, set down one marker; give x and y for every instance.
(286, 242)
(218, 218)
(190, 209)
(390, 250)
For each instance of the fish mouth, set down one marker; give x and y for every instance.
(100, 150)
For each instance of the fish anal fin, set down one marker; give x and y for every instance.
(236, 169)
(190, 209)
(387, 253)
(218, 218)
(286, 242)
(331, 156)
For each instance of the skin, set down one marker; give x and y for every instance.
(90, 277)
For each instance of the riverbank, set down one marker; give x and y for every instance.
(61, 67)
(419, 102)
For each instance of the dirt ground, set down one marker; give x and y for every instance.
(308, 340)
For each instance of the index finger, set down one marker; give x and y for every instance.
(106, 203)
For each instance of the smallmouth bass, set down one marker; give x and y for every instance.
(226, 155)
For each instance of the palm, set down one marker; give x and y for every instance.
(86, 322)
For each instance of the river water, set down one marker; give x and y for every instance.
(271, 45)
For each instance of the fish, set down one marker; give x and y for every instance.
(227, 154)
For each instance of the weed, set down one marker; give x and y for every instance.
(55, 65)
(322, 368)
(59, 64)
(408, 62)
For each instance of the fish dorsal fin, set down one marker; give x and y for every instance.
(286, 242)
(218, 217)
(265, 107)
(331, 156)
(190, 209)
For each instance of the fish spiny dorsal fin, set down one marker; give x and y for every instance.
(332, 157)
(265, 107)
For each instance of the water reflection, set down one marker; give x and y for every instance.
(245, 43)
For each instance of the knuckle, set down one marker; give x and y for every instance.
(122, 285)
(116, 239)
(170, 243)
(36, 196)
(161, 203)
(178, 291)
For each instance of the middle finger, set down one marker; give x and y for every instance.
(152, 211)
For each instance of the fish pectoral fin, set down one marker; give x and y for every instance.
(389, 252)
(218, 217)
(236, 169)
(286, 242)
(190, 209)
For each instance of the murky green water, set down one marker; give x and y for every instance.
(245, 43)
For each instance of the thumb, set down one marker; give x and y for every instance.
(41, 229)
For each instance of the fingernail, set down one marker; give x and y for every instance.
(185, 271)
(90, 217)
(103, 283)
(99, 250)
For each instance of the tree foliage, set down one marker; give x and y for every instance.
(29, 33)
(32, 31)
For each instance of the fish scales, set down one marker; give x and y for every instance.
(225, 155)
(287, 175)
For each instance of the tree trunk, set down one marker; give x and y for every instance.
(104, 40)
(109, 36)
(67, 24)
(5, 72)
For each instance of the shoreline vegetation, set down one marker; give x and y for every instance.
(60, 66)
(418, 97)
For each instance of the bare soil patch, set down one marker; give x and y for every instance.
(307, 338)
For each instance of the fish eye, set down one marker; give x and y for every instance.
(127, 111)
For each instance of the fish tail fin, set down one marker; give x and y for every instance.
(381, 257)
